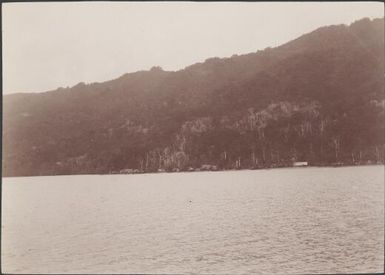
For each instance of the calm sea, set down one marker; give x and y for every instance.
(301, 220)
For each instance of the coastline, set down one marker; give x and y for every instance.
(218, 170)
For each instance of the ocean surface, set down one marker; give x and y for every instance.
(296, 220)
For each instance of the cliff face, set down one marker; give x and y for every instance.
(319, 98)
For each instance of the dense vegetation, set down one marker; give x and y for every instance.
(319, 98)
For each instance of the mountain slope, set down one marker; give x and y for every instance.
(318, 98)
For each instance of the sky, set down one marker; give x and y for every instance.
(56, 44)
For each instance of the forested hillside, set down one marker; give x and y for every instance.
(319, 98)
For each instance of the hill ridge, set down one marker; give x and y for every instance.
(318, 98)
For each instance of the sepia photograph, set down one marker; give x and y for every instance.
(192, 137)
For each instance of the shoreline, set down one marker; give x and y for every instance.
(187, 172)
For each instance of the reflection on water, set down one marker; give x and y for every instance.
(305, 220)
